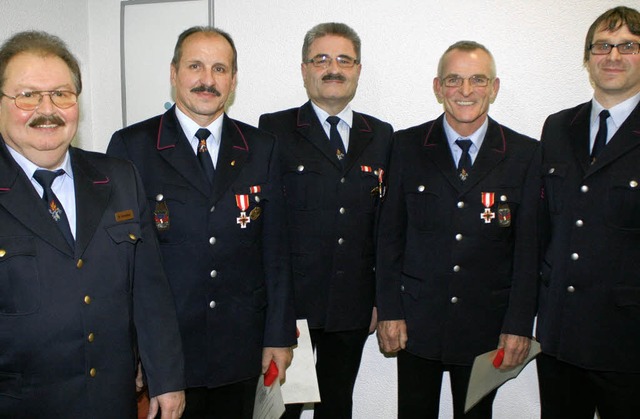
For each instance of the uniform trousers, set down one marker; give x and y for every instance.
(571, 392)
(225, 402)
(338, 356)
(420, 383)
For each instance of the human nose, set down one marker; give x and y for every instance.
(46, 105)
(466, 87)
(614, 54)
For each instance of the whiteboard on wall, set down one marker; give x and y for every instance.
(149, 30)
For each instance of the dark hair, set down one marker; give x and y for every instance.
(330, 28)
(612, 20)
(466, 46)
(42, 43)
(177, 51)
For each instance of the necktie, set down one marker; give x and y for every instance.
(45, 179)
(334, 137)
(601, 136)
(464, 165)
(203, 154)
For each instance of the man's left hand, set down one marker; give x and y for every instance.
(281, 356)
(171, 405)
(516, 349)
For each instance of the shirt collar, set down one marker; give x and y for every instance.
(29, 168)
(189, 126)
(618, 114)
(345, 115)
(476, 138)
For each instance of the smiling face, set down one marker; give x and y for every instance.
(466, 106)
(615, 77)
(203, 78)
(331, 88)
(41, 135)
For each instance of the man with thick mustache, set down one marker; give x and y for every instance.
(82, 290)
(215, 192)
(333, 162)
(589, 311)
(457, 246)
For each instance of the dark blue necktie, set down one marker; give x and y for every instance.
(203, 154)
(464, 165)
(601, 136)
(45, 179)
(335, 140)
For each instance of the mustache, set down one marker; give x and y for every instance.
(208, 89)
(47, 120)
(332, 76)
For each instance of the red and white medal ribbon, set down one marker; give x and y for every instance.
(242, 201)
(488, 199)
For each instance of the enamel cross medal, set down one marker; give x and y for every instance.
(242, 201)
(487, 201)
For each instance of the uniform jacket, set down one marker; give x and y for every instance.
(232, 285)
(331, 212)
(457, 280)
(68, 320)
(589, 312)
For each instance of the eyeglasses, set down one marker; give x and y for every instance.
(474, 81)
(603, 48)
(324, 61)
(28, 101)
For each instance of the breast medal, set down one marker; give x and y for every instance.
(487, 200)
(504, 212)
(161, 214)
(242, 201)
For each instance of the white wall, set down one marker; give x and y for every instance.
(537, 45)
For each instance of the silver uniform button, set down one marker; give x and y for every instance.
(454, 300)
(456, 268)
(570, 288)
(421, 188)
(584, 189)
(342, 210)
(633, 184)
(257, 198)
(212, 240)
(503, 198)
(575, 256)
(401, 287)
(159, 197)
(579, 223)
(460, 204)
(553, 169)
(458, 237)
(213, 208)
(300, 168)
(212, 304)
(340, 240)
(213, 273)
(342, 180)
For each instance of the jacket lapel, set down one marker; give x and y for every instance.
(234, 151)
(436, 147)
(359, 137)
(174, 147)
(20, 199)
(309, 127)
(492, 152)
(93, 190)
(579, 137)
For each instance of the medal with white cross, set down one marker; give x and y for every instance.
(242, 201)
(487, 200)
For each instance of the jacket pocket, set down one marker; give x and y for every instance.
(623, 207)
(553, 176)
(19, 279)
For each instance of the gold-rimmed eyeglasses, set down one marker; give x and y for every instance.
(28, 101)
